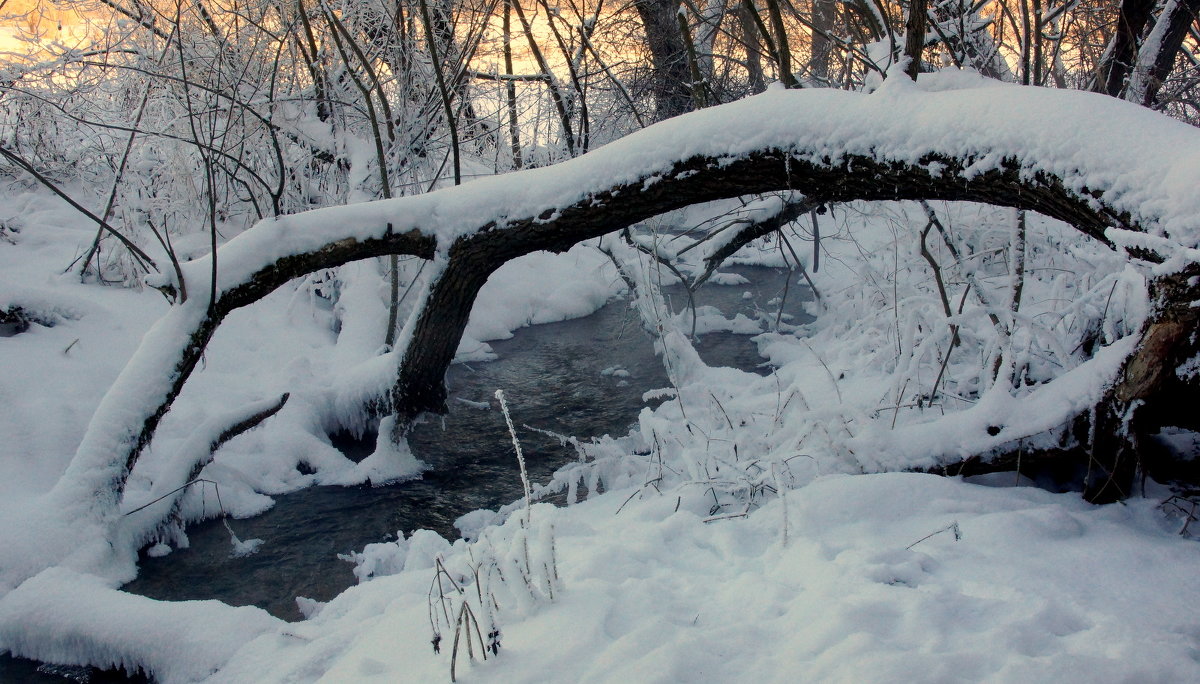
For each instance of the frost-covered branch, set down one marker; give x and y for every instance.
(832, 146)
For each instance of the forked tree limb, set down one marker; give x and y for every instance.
(125, 421)
(193, 455)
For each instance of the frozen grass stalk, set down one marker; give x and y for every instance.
(782, 493)
(528, 572)
(520, 455)
(952, 527)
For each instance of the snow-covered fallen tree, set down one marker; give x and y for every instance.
(1119, 173)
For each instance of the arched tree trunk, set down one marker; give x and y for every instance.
(851, 154)
(443, 319)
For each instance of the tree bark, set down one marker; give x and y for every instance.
(1121, 54)
(824, 24)
(1165, 40)
(914, 36)
(752, 40)
(1156, 388)
(668, 56)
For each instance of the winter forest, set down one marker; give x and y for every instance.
(580, 340)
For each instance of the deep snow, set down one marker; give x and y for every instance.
(737, 536)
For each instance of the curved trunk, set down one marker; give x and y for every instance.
(443, 318)
(625, 182)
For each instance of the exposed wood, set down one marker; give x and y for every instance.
(1154, 388)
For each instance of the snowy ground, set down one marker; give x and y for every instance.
(689, 566)
(1038, 588)
(831, 585)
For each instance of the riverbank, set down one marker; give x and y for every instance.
(746, 529)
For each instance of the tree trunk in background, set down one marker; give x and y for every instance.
(972, 46)
(669, 82)
(753, 43)
(711, 19)
(1157, 57)
(824, 22)
(1121, 54)
(914, 36)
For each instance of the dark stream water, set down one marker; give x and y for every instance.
(553, 377)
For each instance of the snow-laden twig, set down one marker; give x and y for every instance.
(512, 431)
(952, 527)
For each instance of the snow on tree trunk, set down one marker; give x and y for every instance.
(1156, 57)
(1122, 50)
(1157, 387)
(967, 140)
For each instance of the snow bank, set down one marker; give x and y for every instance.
(65, 617)
(54, 378)
(725, 545)
(854, 579)
(537, 288)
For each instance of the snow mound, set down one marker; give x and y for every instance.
(849, 579)
(65, 617)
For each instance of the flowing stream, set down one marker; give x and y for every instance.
(558, 377)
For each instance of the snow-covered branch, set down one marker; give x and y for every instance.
(953, 137)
